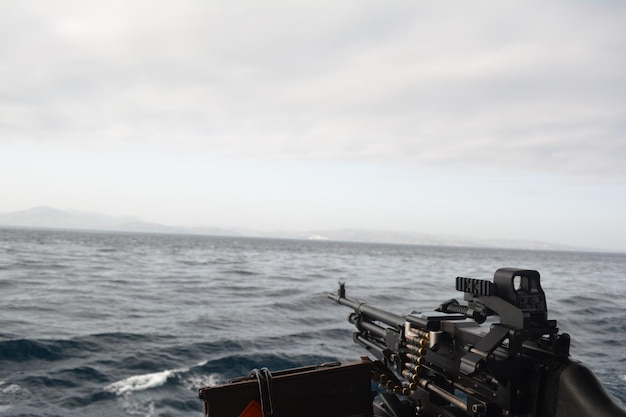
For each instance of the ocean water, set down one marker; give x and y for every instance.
(114, 324)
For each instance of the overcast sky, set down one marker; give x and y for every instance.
(483, 119)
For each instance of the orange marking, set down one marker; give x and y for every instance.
(253, 409)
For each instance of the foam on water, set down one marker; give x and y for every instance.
(142, 382)
(6, 388)
(147, 381)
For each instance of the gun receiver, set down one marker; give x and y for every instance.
(444, 363)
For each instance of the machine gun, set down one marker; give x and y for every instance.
(444, 363)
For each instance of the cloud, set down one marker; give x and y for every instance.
(524, 85)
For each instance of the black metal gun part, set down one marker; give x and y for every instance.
(444, 363)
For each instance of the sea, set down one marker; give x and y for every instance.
(127, 324)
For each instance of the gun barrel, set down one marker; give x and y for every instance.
(372, 328)
(372, 313)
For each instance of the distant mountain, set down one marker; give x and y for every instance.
(52, 217)
(55, 218)
(48, 217)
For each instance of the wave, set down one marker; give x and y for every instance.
(8, 388)
(240, 272)
(205, 373)
(151, 380)
(141, 382)
(22, 350)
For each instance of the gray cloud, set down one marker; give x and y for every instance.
(539, 87)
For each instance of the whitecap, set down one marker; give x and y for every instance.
(142, 382)
(6, 388)
(192, 383)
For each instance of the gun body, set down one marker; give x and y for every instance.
(445, 363)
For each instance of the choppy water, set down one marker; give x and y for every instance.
(133, 324)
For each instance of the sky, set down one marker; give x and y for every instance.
(483, 119)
